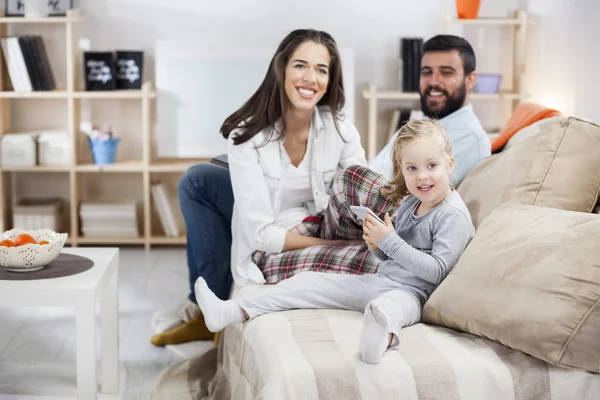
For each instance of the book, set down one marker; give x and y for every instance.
(45, 62)
(11, 66)
(411, 50)
(30, 63)
(23, 76)
(220, 160)
(165, 212)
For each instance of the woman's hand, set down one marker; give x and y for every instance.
(346, 242)
(375, 230)
(295, 241)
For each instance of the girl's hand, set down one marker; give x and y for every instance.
(375, 230)
(370, 245)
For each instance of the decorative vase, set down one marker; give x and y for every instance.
(467, 9)
(104, 151)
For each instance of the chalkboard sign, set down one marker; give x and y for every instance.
(129, 69)
(99, 70)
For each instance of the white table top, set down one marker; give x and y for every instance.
(55, 291)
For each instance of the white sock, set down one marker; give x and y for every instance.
(217, 313)
(375, 334)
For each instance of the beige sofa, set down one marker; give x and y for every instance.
(514, 320)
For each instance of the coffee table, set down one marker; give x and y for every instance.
(81, 291)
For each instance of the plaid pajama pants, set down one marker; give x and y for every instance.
(356, 185)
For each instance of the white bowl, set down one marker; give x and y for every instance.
(31, 257)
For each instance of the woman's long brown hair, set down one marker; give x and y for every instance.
(269, 103)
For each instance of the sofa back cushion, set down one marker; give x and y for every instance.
(531, 130)
(529, 279)
(558, 168)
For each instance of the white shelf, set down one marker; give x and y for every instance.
(517, 94)
(140, 168)
(50, 94)
(109, 240)
(119, 166)
(72, 16)
(156, 240)
(114, 94)
(395, 95)
(65, 94)
(167, 240)
(174, 165)
(165, 166)
(37, 168)
(487, 21)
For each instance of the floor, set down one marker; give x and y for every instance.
(37, 345)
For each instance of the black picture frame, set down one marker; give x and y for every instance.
(99, 70)
(16, 8)
(129, 65)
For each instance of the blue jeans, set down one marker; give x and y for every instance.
(206, 201)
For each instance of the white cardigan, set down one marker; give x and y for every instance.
(256, 171)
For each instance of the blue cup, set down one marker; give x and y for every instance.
(104, 151)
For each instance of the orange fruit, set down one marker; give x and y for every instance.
(7, 243)
(24, 239)
(43, 242)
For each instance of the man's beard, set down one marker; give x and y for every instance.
(453, 103)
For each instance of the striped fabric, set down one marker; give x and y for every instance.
(314, 354)
(354, 186)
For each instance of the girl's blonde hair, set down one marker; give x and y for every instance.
(409, 133)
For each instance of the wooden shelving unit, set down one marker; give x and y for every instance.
(373, 95)
(73, 95)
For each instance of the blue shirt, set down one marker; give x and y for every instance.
(470, 145)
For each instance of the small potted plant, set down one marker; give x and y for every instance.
(104, 144)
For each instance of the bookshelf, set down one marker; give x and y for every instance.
(515, 96)
(142, 168)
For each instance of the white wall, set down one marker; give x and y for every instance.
(371, 28)
(562, 52)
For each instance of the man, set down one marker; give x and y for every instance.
(447, 77)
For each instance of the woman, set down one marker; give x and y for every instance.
(286, 144)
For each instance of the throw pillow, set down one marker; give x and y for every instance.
(529, 279)
(558, 168)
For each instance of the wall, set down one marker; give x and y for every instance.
(371, 28)
(559, 76)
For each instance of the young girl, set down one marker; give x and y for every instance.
(433, 227)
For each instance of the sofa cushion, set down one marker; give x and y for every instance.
(531, 130)
(529, 279)
(558, 168)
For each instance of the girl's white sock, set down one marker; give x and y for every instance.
(374, 340)
(217, 313)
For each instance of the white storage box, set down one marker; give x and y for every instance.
(54, 148)
(38, 214)
(19, 149)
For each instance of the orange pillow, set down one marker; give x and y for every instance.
(525, 114)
